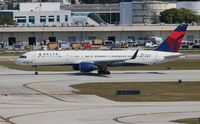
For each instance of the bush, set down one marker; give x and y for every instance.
(6, 20)
(179, 16)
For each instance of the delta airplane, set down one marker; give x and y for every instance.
(90, 60)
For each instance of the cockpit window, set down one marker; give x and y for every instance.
(22, 57)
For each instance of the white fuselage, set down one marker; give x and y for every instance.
(144, 57)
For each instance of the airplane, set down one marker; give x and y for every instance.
(90, 60)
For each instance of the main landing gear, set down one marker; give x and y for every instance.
(35, 69)
(104, 71)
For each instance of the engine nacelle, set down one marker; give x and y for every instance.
(87, 67)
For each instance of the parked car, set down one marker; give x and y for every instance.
(17, 46)
(151, 45)
(87, 45)
(185, 45)
(156, 40)
(141, 42)
(196, 46)
(97, 42)
(132, 43)
(108, 43)
(65, 46)
(75, 46)
(52, 45)
(124, 45)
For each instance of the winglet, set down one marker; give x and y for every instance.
(135, 54)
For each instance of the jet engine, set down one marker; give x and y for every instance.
(87, 67)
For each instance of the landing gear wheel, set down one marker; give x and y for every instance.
(103, 72)
(108, 72)
(100, 72)
(36, 73)
(35, 68)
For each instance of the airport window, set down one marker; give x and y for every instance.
(74, 14)
(32, 40)
(111, 38)
(58, 18)
(52, 39)
(32, 19)
(131, 37)
(20, 19)
(66, 18)
(42, 18)
(91, 37)
(11, 41)
(71, 38)
(51, 18)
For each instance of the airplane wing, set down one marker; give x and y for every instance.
(110, 62)
(105, 63)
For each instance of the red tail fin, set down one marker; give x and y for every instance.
(173, 42)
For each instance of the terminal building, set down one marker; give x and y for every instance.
(35, 35)
(142, 11)
(127, 11)
(75, 23)
(49, 14)
(41, 14)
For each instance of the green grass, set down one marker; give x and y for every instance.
(10, 53)
(17, 53)
(190, 51)
(185, 51)
(12, 65)
(175, 65)
(188, 121)
(150, 91)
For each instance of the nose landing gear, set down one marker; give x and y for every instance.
(36, 73)
(35, 69)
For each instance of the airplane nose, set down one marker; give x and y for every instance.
(17, 61)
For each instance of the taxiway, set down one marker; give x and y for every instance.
(47, 99)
